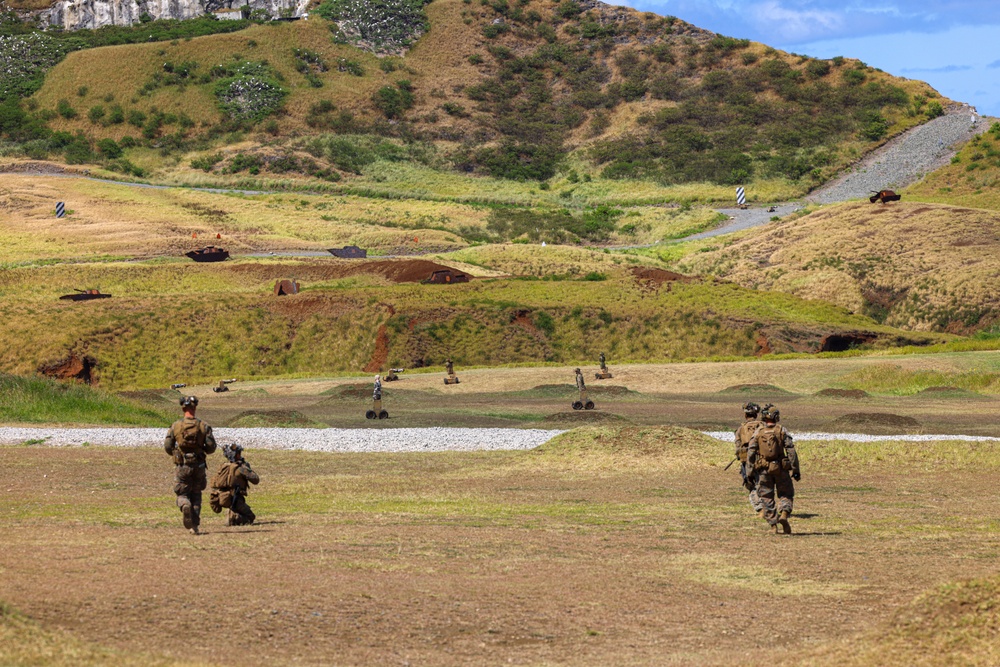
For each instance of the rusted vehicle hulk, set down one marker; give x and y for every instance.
(884, 196)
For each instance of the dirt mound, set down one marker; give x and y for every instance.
(646, 274)
(570, 390)
(879, 423)
(273, 418)
(73, 367)
(843, 393)
(585, 417)
(946, 391)
(352, 392)
(754, 389)
(399, 270)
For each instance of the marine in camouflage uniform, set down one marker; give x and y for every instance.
(742, 436)
(580, 384)
(772, 455)
(189, 441)
(240, 513)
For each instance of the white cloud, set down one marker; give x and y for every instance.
(794, 25)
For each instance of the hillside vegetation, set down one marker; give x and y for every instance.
(46, 401)
(972, 178)
(179, 321)
(922, 267)
(519, 91)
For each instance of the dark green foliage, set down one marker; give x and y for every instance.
(934, 109)
(545, 323)
(352, 67)
(136, 117)
(116, 115)
(109, 148)
(561, 226)
(65, 109)
(494, 30)
(874, 126)
(244, 162)
(393, 102)
(378, 24)
(818, 68)
(247, 91)
(18, 125)
(568, 9)
(324, 116)
(207, 162)
(96, 114)
(595, 276)
(79, 151)
(351, 153)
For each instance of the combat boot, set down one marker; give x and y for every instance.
(786, 528)
(195, 531)
(188, 513)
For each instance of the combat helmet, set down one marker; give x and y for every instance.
(770, 413)
(231, 452)
(751, 409)
(189, 402)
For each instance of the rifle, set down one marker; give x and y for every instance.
(731, 464)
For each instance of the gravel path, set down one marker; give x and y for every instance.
(374, 440)
(745, 219)
(903, 160)
(307, 439)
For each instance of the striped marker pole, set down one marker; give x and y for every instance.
(61, 209)
(741, 196)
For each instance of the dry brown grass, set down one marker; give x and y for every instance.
(917, 266)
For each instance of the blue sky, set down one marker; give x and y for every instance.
(952, 44)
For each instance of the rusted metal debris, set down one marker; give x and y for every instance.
(446, 277)
(85, 295)
(884, 196)
(222, 386)
(349, 252)
(208, 254)
(285, 287)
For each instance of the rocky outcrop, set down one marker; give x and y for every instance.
(80, 14)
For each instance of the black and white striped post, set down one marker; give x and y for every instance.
(741, 196)
(61, 209)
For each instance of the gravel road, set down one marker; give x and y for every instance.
(307, 439)
(745, 219)
(905, 159)
(374, 440)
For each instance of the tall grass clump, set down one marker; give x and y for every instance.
(895, 380)
(40, 400)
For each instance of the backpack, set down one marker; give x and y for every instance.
(188, 435)
(743, 435)
(771, 443)
(226, 477)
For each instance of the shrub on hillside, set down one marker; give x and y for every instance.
(393, 102)
(377, 25)
(24, 59)
(248, 91)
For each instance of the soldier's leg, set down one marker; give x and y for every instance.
(786, 492)
(182, 488)
(240, 513)
(765, 492)
(755, 502)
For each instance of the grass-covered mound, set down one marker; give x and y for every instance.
(273, 419)
(955, 624)
(620, 446)
(892, 379)
(39, 400)
(970, 179)
(911, 265)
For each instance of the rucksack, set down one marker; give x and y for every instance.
(188, 435)
(226, 477)
(771, 443)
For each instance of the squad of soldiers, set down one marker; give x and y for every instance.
(768, 464)
(190, 442)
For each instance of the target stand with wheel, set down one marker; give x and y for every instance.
(583, 403)
(377, 412)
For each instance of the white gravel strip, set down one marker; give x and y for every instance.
(727, 436)
(378, 440)
(307, 439)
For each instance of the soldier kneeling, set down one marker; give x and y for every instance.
(230, 486)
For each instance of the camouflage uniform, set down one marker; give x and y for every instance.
(189, 441)
(774, 474)
(601, 359)
(742, 435)
(580, 384)
(240, 513)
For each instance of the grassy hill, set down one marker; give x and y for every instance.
(970, 180)
(926, 267)
(525, 91)
(172, 321)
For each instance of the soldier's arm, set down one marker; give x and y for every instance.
(736, 440)
(249, 474)
(752, 450)
(210, 444)
(793, 455)
(170, 442)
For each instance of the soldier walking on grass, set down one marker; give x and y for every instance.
(743, 435)
(771, 454)
(231, 484)
(189, 441)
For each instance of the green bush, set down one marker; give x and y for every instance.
(206, 162)
(379, 25)
(96, 114)
(65, 109)
(394, 101)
